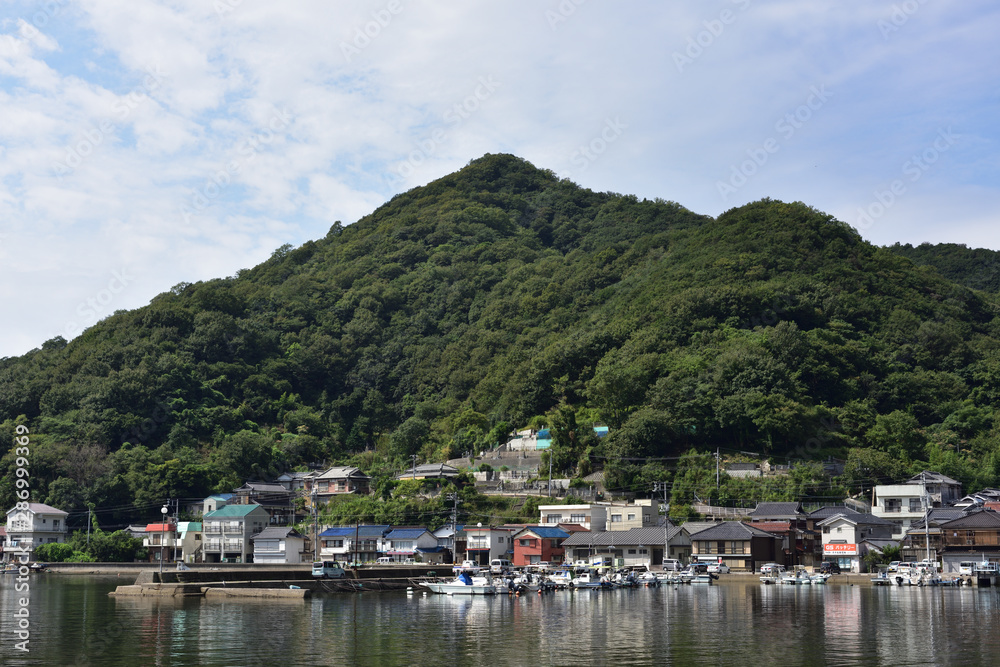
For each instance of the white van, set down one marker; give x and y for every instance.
(499, 565)
(384, 560)
(967, 567)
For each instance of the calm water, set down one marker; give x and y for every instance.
(739, 622)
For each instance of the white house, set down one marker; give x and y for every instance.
(353, 543)
(902, 504)
(592, 517)
(485, 543)
(26, 529)
(404, 543)
(844, 536)
(227, 532)
(278, 545)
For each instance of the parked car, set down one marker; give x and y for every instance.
(771, 569)
(894, 566)
(718, 568)
(671, 565)
(698, 568)
(829, 567)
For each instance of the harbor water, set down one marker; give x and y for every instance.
(73, 621)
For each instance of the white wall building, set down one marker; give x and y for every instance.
(39, 524)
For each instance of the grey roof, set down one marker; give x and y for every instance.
(826, 512)
(939, 515)
(343, 472)
(979, 518)
(932, 476)
(634, 536)
(857, 518)
(429, 470)
(694, 527)
(277, 533)
(263, 487)
(778, 510)
(730, 530)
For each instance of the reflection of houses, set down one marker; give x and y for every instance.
(276, 499)
(227, 532)
(39, 524)
(340, 480)
(429, 471)
(538, 544)
(902, 504)
(739, 545)
(278, 545)
(637, 546)
(844, 534)
(354, 543)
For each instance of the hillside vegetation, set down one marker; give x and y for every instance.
(501, 296)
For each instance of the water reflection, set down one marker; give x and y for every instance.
(738, 622)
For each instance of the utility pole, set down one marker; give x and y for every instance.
(413, 469)
(662, 486)
(315, 526)
(550, 471)
(927, 512)
(454, 526)
(716, 468)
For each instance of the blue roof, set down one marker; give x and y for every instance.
(337, 531)
(601, 431)
(351, 531)
(547, 532)
(430, 550)
(406, 533)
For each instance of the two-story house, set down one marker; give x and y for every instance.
(637, 546)
(485, 543)
(160, 542)
(844, 535)
(278, 545)
(639, 514)
(902, 504)
(227, 532)
(973, 537)
(360, 544)
(538, 544)
(340, 480)
(26, 529)
(276, 499)
(739, 545)
(417, 543)
(593, 516)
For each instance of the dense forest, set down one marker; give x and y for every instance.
(500, 297)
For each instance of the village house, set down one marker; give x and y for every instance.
(429, 471)
(637, 546)
(299, 483)
(844, 534)
(358, 544)
(338, 481)
(788, 522)
(640, 514)
(189, 539)
(739, 545)
(485, 543)
(973, 537)
(404, 544)
(902, 504)
(161, 542)
(39, 524)
(276, 499)
(278, 545)
(538, 544)
(227, 532)
(593, 516)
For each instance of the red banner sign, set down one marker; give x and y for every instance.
(841, 549)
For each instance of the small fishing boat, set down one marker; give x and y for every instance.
(468, 582)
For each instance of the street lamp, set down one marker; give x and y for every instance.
(163, 541)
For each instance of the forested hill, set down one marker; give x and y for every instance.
(501, 296)
(978, 268)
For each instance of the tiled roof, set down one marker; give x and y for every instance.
(406, 533)
(975, 519)
(773, 526)
(826, 512)
(730, 530)
(429, 470)
(544, 532)
(857, 518)
(263, 487)
(778, 510)
(40, 508)
(160, 528)
(343, 472)
(933, 477)
(635, 536)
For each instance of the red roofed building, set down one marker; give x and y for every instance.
(161, 542)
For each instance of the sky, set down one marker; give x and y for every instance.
(145, 144)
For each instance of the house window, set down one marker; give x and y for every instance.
(631, 517)
(893, 505)
(553, 518)
(525, 543)
(55, 524)
(737, 548)
(616, 518)
(643, 552)
(645, 518)
(499, 540)
(578, 518)
(631, 552)
(916, 505)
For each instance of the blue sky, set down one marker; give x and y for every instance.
(144, 144)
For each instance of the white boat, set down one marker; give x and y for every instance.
(772, 573)
(797, 578)
(819, 578)
(466, 583)
(703, 578)
(588, 580)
